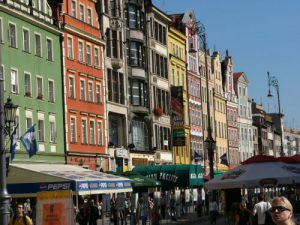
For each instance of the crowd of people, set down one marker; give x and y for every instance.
(279, 211)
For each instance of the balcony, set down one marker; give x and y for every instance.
(116, 63)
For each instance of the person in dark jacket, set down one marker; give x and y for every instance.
(93, 213)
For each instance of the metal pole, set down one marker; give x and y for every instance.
(280, 123)
(209, 138)
(4, 196)
(272, 81)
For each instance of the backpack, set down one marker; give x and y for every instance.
(23, 218)
(268, 217)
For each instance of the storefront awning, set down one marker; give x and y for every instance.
(171, 176)
(28, 179)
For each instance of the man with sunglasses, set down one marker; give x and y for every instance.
(260, 208)
(282, 211)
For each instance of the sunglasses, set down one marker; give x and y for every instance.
(279, 209)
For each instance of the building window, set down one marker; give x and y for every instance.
(14, 81)
(140, 135)
(88, 55)
(80, 52)
(115, 82)
(38, 48)
(81, 12)
(1, 30)
(26, 40)
(113, 8)
(73, 10)
(138, 93)
(90, 18)
(49, 50)
(162, 100)
(135, 17)
(71, 87)
(83, 132)
(51, 90)
(70, 48)
(82, 90)
(28, 122)
(160, 33)
(27, 84)
(92, 132)
(100, 134)
(90, 92)
(52, 132)
(41, 129)
(73, 129)
(96, 57)
(98, 93)
(136, 54)
(39, 85)
(12, 36)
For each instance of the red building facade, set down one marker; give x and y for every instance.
(84, 85)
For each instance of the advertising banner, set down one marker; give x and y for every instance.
(55, 208)
(177, 118)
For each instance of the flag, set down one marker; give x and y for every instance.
(29, 141)
(197, 156)
(224, 159)
(13, 143)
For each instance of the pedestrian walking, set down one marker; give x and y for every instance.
(83, 215)
(242, 215)
(93, 213)
(163, 202)
(260, 209)
(19, 217)
(27, 207)
(213, 211)
(154, 215)
(282, 211)
(173, 207)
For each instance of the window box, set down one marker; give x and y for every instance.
(28, 94)
(158, 111)
(40, 96)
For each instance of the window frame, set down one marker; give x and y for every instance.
(26, 45)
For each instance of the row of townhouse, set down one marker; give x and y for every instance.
(115, 84)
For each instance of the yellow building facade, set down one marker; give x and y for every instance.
(219, 102)
(178, 81)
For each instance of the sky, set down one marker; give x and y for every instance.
(261, 36)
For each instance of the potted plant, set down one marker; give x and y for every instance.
(158, 111)
(27, 94)
(40, 96)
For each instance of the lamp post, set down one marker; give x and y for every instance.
(209, 142)
(7, 118)
(272, 81)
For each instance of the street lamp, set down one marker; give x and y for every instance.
(209, 143)
(7, 119)
(272, 81)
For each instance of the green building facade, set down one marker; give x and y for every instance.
(32, 69)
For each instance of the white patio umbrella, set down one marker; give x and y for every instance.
(260, 174)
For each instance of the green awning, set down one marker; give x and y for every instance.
(138, 180)
(171, 176)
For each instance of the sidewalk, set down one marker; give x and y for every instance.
(189, 218)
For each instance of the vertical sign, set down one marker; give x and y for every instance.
(177, 118)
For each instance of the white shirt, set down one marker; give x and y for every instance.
(260, 208)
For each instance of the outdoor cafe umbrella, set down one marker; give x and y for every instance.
(257, 173)
(138, 180)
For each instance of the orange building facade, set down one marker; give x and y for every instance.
(84, 86)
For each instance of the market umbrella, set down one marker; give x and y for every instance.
(138, 180)
(257, 174)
